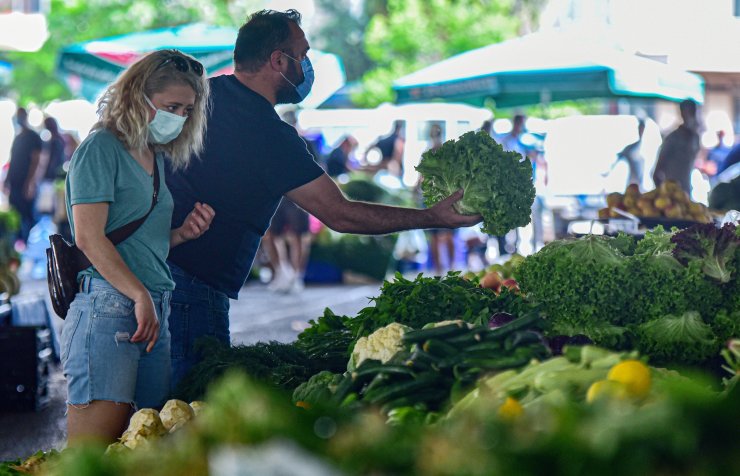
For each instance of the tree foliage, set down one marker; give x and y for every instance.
(342, 31)
(72, 21)
(412, 34)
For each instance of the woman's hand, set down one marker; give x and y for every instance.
(196, 223)
(147, 324)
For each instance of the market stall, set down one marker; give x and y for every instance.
(596, 355)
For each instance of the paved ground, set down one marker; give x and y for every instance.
(258, 315)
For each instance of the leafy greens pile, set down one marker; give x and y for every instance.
(672, 295)
(498, 184)
(425, 300)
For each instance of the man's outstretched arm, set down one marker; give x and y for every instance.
(323, 199)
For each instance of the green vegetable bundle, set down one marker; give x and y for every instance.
(498, 184)
(276, 364)
(440, 363)
(581, 287)
(672, 296)
(327, 341)
(425, 300)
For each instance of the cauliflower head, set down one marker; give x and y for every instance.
(381, 345)
(197, 406)
(144, 424)
(175, 413)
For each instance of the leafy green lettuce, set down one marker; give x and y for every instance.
(581, 285)
(713, 248)
(685, 339)
(498, 184)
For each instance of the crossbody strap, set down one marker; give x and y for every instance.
(121, 233)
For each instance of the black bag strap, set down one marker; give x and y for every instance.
(120, 234)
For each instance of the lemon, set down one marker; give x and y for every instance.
(510, 409)
(634, 375)
(605, 389)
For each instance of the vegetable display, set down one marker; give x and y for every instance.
(519, 422)
(711, 247)
(669, 200)
(425, 300)
(424, 368)
(498, 184)
(579, 372)
(670, 296)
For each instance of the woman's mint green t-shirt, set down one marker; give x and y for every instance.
(102, 170)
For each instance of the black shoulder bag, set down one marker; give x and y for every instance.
(65, 260)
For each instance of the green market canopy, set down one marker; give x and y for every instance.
(88, 67)
(543, 68)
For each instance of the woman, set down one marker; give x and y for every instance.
(115, 340)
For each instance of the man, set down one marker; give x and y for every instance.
(391, 150)
(251, 159)
(632, 154)
(716, 155)
(54, 149)
(678, 152)
(20, 183)
(338, 161)
(513, 140)
(732, 158)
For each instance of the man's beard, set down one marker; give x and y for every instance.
(287, 95)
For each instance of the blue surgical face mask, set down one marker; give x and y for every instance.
(302, 90)
(165, 127)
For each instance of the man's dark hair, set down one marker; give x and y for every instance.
(264, 32)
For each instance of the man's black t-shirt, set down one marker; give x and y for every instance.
(251, 159)
(23, 147)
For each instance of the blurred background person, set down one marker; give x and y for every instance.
(714, 162)
(731, 160)
(533, 233)
(441, 241)
(52, 160)
(20, 182)
(487, 127)
(677, 155)
(288, 247)
(340, 160)
(391, 150)
(287, 242)
(512, 141)
(54, 150)
(632, 155)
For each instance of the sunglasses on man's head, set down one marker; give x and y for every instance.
(183, 64)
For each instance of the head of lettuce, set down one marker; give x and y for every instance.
(498, 184)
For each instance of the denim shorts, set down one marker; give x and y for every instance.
(98, 360)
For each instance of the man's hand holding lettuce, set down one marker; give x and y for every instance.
(498, 184)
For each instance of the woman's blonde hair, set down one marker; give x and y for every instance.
(124, 111)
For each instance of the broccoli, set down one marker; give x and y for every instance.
(318, 390)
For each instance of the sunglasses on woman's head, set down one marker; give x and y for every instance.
(183, 64)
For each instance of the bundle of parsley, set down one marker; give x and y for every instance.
(273, 363)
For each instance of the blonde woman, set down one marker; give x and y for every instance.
(115, 340)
